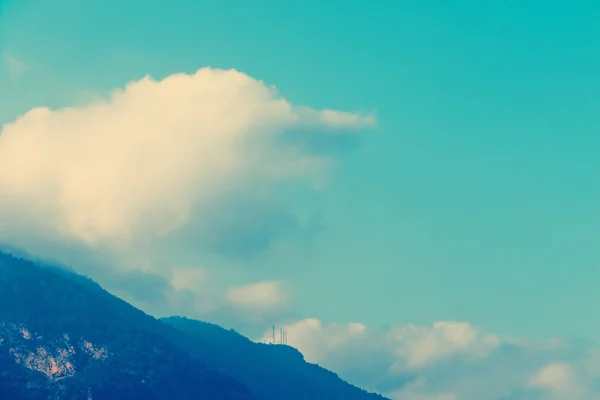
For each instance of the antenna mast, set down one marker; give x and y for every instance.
(283, 336)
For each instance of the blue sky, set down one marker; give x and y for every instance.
(475, 197)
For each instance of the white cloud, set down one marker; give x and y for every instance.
(556, 376)
(182, 171)
(448, 361)
(158, 157)
(420, 346)
(559, 378)
(317, 341)
(258, 296)
(190, 279)
(197, 293)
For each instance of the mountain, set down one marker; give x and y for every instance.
(273, 372)
(64, 337)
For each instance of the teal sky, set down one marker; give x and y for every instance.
(477, 199)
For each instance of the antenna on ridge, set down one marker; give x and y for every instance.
(283, 336)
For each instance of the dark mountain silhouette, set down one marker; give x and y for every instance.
(64, 337)
(273, 372)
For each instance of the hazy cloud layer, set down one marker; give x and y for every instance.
(14, 67)
(449, 361)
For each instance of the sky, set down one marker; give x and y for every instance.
(410, 173)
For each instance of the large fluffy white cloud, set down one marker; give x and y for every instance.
(167, 172)
(154, 156)
(448, 361)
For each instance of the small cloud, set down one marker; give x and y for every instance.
(187, 278)
(14, 66)
(257, 296)
(556, 377)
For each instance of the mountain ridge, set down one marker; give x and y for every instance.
(273, 367)
(65, 337)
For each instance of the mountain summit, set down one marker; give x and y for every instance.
(64, 337)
